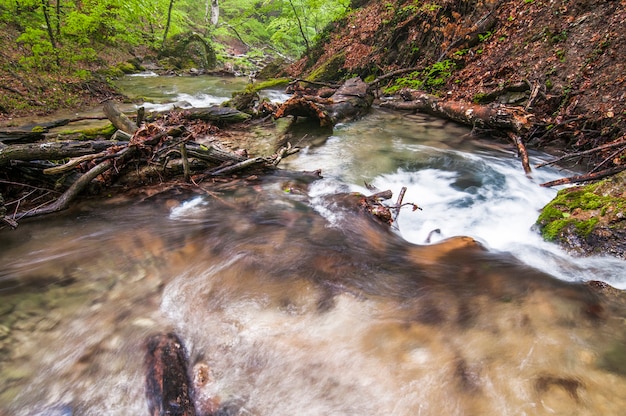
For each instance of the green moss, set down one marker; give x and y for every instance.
(90, 133)
(580, 209)
(584, 228)
(430, 79)
(126, 67)
(270, 83)
(330, 70)
(553, 229)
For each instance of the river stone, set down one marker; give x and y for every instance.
(4, 331)
(6, 307)
(588, 220)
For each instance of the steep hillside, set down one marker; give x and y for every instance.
(562, 59)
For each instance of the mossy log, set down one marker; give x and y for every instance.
(217, 115)
(350, 101)
(33, 132)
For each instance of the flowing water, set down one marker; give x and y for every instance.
(291, 302)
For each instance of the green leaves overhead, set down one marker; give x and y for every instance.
(60, 29)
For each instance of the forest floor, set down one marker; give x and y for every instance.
(36, 91)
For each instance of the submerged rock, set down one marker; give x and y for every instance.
(588, 220)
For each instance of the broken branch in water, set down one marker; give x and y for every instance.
(585, 178)
(374, 205)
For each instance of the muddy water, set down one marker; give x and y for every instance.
(289, 301)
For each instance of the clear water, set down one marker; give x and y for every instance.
(289, 301)
(465, 186)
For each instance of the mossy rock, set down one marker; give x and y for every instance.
(187, 50)
(588, 219)
(245, 100)
(330, 70)
(127, 67)
(273, 69)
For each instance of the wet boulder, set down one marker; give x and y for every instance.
(588, 220)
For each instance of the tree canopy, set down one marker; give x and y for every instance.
(56, 34)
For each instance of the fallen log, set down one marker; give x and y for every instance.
(37, 131)
(350, 101)
(119, 119)
(514, 120)
(168, 387)
(216, 114)
(494, 116)
(53, 150)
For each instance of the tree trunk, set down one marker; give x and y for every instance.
(350, 101)
(46, 14)
(167, 24)
(494, 116)
(306, 40)
(215, 12)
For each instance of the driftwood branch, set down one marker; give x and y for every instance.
(119, 119)
(615, 143)
(77, 187)
(521, 150)
(585, 178)
(73, 163)
(238, 166)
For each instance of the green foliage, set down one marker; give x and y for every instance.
(430, 7)
(71, 37)
(275, 22)
(484, 36)
(41, 49)
(430, 79)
